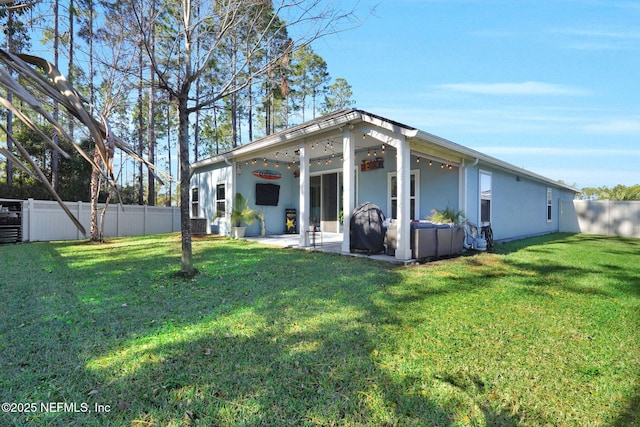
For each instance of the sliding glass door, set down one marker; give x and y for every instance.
(326, 199)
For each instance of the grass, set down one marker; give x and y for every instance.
(544, 332)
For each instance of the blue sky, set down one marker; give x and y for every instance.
(551, 86)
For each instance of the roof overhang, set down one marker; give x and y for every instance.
(282, 145)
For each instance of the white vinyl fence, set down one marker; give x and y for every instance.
(607, 217)
(45, 220)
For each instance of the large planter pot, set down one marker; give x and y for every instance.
(238, 232)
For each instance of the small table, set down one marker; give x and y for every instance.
(312, 235)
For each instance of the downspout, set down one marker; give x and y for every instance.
(230, 197)
(465, 200)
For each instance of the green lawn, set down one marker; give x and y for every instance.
(544, 332)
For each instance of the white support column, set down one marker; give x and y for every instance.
(305, 197)
(404, 200)
(231, 198)
(462, 186)
(348, 181)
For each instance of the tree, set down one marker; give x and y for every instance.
(338, 96)
(38, 78)
(310, 76)
(16, 40)
(617, 192)
(194, 33)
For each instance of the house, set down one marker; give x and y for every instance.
(319, 171)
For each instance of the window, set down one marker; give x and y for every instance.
(485, 197)
(221, 200)
(414, 191)
(195, 204)
(549, 202)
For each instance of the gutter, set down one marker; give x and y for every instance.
(272, 142)
(468, 152)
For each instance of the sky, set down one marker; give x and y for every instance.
(552, 86)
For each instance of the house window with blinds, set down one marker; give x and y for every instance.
(195, 203)
(221, 200)
(485, 197)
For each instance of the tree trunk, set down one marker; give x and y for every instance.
(70, 72)
(94, 233)
(140, 138)
(151, 198)
(151, 137)
(250, 111)
(94, 229)
(151, 134)
(55, 158)
(169, 151)
(9, 163)
(185, 220)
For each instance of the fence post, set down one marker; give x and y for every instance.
(609, 218)
(30, 220)
(118, 207)
(144, 221)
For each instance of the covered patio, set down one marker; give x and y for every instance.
(321, 170)
(327, 242)
(328, 166)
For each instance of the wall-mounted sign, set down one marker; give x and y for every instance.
(267, 174)
(370, 165)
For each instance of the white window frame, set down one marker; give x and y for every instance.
(482, 197)
(415, 197)
(195, 202)
(218, 202)
(549, 204)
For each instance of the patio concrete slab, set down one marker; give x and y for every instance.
(327, 242)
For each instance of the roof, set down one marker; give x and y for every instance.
(331, 125)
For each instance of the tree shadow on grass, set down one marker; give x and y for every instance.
(287, 343)
(631, 415)
(261, 337)
(544, 275)
(614, 275)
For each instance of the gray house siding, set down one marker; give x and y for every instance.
(448, 175)
(206, 180)
(518, 204)
(438, 187)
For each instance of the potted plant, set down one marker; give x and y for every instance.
(241, 213)
(447, 216)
